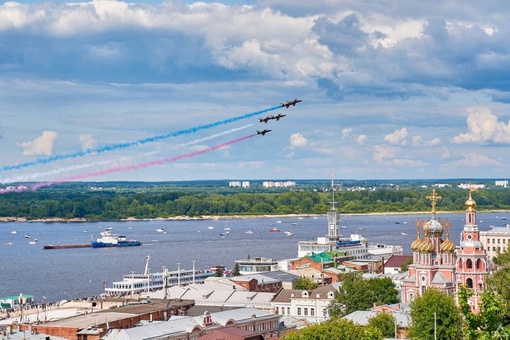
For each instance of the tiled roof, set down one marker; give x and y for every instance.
(230, 333)
(395, 261)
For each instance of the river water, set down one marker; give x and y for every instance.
(64, 273)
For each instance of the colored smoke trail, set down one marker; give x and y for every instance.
(136, 142)
(125, 168)
(29, 177)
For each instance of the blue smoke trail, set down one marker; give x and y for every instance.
(136, 142)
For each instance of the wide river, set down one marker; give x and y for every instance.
(64, 273)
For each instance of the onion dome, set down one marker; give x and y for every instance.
(433, 228)
(470, 203)
(447, 246)
(416, 243)
(426, 246)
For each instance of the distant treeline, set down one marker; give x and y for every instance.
(166, 201)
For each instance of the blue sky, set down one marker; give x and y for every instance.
(390, 89)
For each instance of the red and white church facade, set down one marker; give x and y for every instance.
(439, 264)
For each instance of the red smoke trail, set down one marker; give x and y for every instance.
(127, 168)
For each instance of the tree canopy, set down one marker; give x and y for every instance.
(335, 329)
(356, 293)
(435, 313)
(306, 283)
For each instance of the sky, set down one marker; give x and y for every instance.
(173, 90)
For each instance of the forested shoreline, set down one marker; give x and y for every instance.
(167, 202)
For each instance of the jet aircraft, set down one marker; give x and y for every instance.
(278, 116)
(293, 103)
(263, 132)
(265, 120)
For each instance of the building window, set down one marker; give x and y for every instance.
(299, 311)
(288, 310)
(469, 283)
(306, 311)
(312, 311)
(469, 264)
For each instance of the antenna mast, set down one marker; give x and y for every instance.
(333, 189)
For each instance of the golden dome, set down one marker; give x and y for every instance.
(416, 243)
(470, 203)
(447, 246)
(426, 246)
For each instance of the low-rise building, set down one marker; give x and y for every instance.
(309, 305)
(249, 320)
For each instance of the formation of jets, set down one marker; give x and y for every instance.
(291, 103)
(278, 116)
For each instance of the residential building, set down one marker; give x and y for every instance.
(310, 305)
(495, 240)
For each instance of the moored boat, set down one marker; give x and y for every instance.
(274, 230)
(147, 281)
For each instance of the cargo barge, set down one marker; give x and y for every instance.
(67, 246)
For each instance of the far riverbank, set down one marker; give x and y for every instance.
(207, 217)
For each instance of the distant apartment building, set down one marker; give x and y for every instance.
(503, 184)
(271, 184)
(474, 186)
(243, 184)
(495, 240)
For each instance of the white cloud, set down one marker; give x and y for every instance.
(484, 127)
(297, 140)
(361, 139)
(346, 132)
(398, 137)
(475, 159)
(383, 153)
(41, 146)
(87, 142)
(419, 141)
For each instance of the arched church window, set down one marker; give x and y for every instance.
(478, 264)
(469, 264)
(469, 283)
(459, 264)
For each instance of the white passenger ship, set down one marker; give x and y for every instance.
(137, 283)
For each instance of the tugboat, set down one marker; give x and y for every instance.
(108, 239)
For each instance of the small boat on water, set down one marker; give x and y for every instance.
(274, 230)
(210, 227)
(27, 236)
(278, 221)
(403, 234)
(249, 232)
(288, 233)
(160, 230)
(34, 241)
(108, 239)
(14, 232)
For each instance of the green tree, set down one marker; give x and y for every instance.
(218, 272)
(383, 290)
(356, 293)
(384, 322)
(305, 283)
(435, 313)
(337, 328)
(488, 322)
(405, 265)
(235, 271)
